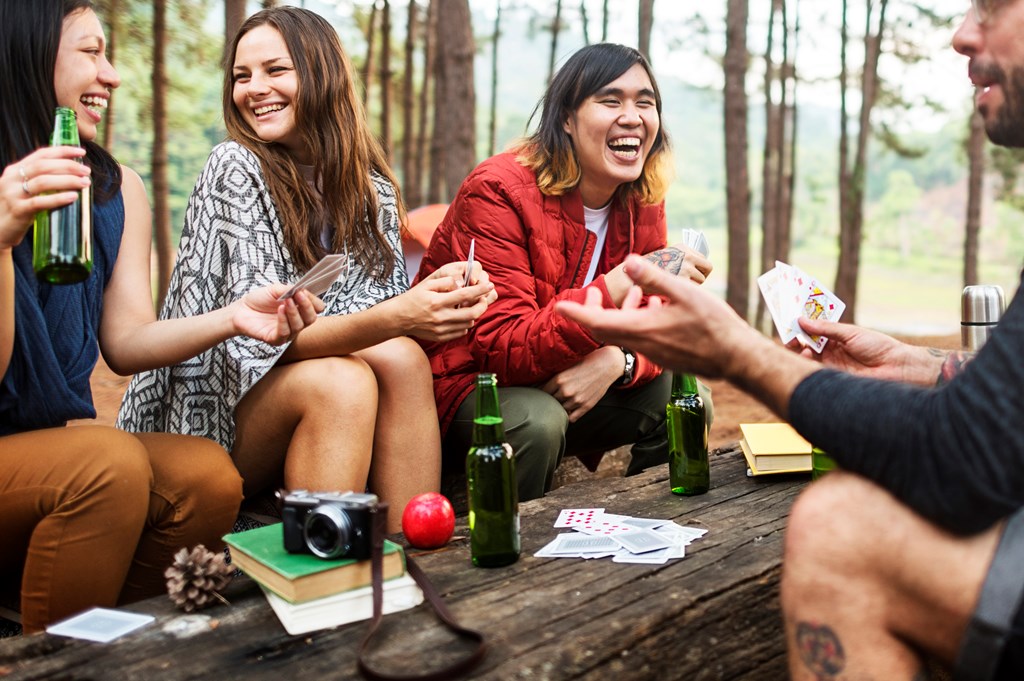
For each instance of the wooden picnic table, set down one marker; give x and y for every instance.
(712, 615)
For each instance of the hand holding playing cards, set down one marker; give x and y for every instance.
(260, 315)
(683, 261)
(870, 353)
(692, 331)
(440, 308)
(580, 387)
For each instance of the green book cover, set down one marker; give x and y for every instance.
(266, 545)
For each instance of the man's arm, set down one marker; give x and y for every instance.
(864, 352)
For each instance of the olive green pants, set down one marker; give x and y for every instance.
(538, 429)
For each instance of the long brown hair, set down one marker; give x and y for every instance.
(332, 124)
(549, 152)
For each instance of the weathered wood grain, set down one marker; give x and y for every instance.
(713, 615)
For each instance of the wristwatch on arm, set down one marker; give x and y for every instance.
(630, 368)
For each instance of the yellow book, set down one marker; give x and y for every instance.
(774, 448)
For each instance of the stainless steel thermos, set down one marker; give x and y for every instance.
(981, 307)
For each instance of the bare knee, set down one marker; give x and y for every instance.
(334, 382)
(399, 360)
(838, 539)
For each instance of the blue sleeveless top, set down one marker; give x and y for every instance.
(56, 333)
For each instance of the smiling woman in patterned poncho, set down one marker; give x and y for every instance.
(300, 177)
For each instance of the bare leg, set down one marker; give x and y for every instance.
(867, 584)
(407, 443)
(313, 420)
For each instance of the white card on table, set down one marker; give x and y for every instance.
(320, 277)
(574, 544)
(603, 527)
(641, 541)
(573, 517)
(644, 523)
(99, 624)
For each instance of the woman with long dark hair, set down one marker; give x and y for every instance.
(91, 515)
(302, 176)
(553, 218)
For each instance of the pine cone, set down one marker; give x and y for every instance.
(195, 578)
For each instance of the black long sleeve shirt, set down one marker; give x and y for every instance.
(954, 454)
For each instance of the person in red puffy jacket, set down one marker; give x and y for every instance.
(552, 219)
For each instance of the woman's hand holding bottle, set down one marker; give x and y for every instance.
(47, 178)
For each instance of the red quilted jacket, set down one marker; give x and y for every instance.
(536, 250)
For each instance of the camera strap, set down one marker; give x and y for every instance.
(463, 666)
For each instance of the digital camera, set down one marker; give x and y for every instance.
(328, 524)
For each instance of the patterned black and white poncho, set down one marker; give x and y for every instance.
(232, 242)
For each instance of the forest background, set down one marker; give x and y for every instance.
(834, 135)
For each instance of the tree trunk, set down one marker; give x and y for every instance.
(604, 22)
(737, 182)
(454, 99)
(112, 13)
(371, 39)
(976, 161)
(492, 137)
(851, 236)
(584, 22)
(435, 176)
(422, 155)
(646, 23)
(234, 16)
(385, 78)
(556, 26)
(408, 109)
(787, 181)
(161, 191)
(770, 161)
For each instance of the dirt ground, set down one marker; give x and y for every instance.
(732, 407)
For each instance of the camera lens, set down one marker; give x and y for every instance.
(327, 532)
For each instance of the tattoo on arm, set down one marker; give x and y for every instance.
(820, 650)
(953, 364)
(669, 259)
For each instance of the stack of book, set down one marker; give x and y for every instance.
(310, 593)
(774, 448)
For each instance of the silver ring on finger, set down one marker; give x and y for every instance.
(24, 180)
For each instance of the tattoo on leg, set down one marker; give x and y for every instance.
(954, 363)
(820, 650)
(669, 259)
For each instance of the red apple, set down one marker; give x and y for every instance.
(428, 520)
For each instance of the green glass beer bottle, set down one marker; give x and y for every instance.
(689, 471)
(62, 237)
(491, 477)
(821, 463)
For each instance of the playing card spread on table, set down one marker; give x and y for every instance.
(790, 293)
(99, 624)
(321, 276)
(623, 538)
(571, 517)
